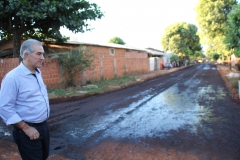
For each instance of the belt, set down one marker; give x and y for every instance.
(36, 124)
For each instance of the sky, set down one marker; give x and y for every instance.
(139, 23)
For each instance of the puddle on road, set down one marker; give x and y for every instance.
(167, 111)
(5, 130)
(207, 67)
(152, 116)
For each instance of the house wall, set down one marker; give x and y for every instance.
(106, 66)
(6, 45)
(122, 62)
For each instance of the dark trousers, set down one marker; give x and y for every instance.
(33, 149)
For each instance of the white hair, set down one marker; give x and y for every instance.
(27, 46)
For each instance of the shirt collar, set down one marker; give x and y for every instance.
(26, 71)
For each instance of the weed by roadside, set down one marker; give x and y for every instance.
(92, 88)
(234, 82)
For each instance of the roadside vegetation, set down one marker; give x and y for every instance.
(102, 86)
(234, 81)
(77, 61)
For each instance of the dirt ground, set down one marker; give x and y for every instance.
(8, 150)
(224, 70)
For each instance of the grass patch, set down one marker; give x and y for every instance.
(59, 92)
(92, 87)
(234, 82)
(105, 85)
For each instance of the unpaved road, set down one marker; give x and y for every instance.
(185, 115)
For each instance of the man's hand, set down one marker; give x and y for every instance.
(31, 132)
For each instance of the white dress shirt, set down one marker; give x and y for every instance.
(23, 96)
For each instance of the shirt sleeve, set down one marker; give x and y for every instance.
(8, 96)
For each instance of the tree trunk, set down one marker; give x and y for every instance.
(222, 59)
(238, 65)
(16, 43)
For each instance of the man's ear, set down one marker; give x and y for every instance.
(25, 55)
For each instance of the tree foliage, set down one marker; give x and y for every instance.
(211, 18)
(116, 40)
(215, 56)
(78, 60)
(232, 39)
(174, 58)
(182, 39)
(197, 55)
(22, 19)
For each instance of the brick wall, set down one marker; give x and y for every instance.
(7, 65)
(106, 66)
(50, 71)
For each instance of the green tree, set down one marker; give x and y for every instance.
(232, 39)
(116, 40)
(211, 18)
(21, 19)
(77, 61)
(181, 38)
(215, 56)
(173, 58)
(197, 55)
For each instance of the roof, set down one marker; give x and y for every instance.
(110, 45)
(155, 52)
(155, 49)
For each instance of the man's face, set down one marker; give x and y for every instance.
(36, 59)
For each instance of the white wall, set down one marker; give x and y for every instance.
(151, 63)
(154, 63)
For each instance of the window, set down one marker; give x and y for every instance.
(111, 51)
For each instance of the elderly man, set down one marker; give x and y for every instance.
(25, 105)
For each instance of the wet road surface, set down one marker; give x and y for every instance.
(186, 114)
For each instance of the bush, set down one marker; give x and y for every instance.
(234, 82)
(78, 60)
